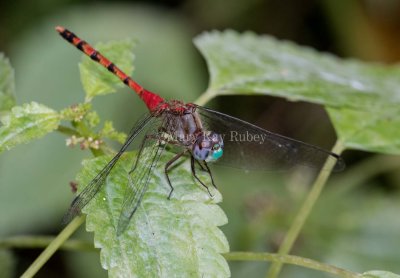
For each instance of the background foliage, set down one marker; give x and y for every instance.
(354, 226)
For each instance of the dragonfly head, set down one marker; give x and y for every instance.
(208, 147)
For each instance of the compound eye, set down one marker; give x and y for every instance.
(216, 153)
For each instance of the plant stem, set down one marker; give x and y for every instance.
(67, 130)
(290, 259)
(42, 242)
(305, 210)
(53, 246)
(205, 97)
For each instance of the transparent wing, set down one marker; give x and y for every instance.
(139, 176)
(249, 147)
(95, 185)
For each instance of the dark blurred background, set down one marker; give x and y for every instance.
(354, 225)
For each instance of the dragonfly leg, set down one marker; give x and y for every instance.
(201, 166)
(192, 159)
(209, 173)
(205, 168)
(166, 169)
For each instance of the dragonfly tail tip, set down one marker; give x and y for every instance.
(60, 29)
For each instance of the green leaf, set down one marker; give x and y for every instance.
(375, 130)
(164, 237)
(96, 79)
(362, 98)
(379, 274)
(25, 123)
(251, 64)
(7, 86)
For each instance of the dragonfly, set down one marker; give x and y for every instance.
(203, 134)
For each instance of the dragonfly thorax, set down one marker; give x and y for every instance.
(183, 126)
(208, 146)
